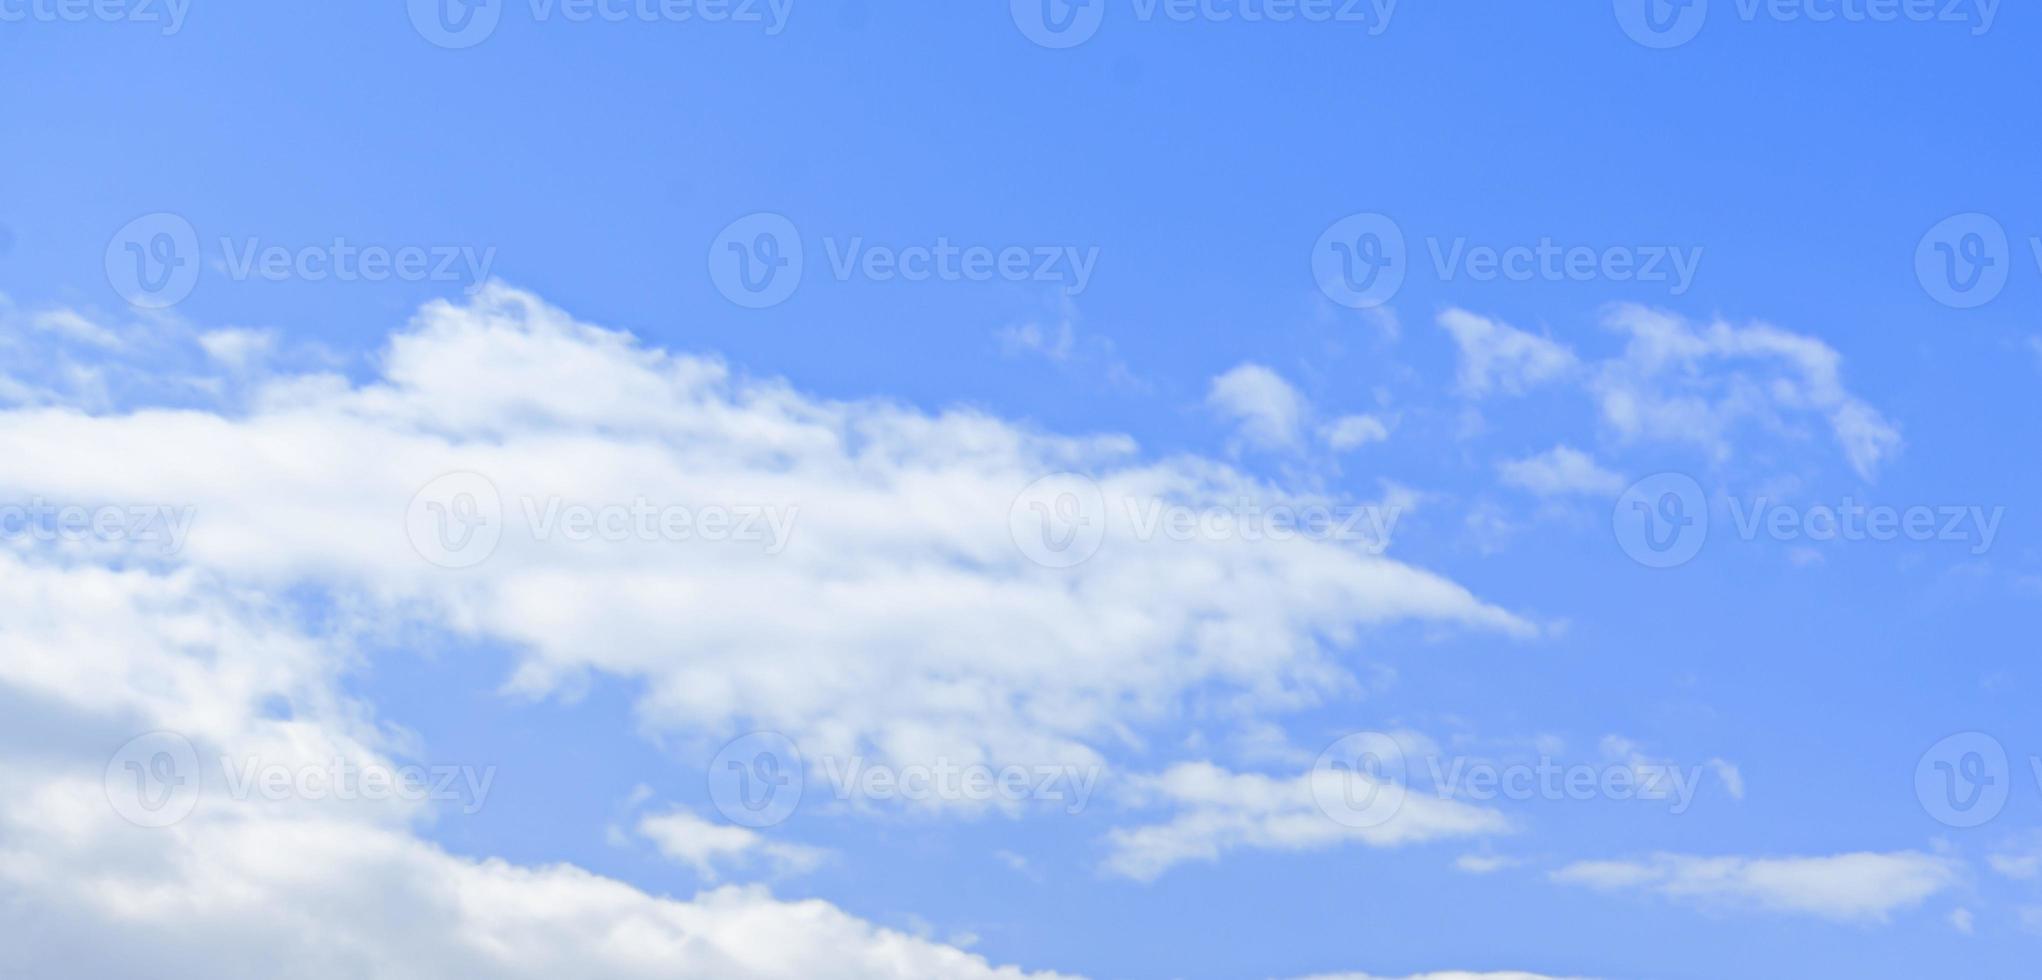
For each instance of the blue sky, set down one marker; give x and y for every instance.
(1770, 325)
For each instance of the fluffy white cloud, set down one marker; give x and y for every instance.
(1732, 777)
(1679, 382)
(922, 632)
(1220, 811)
(2022, 863)
(1560, 470)
(1497, 357)
(1860, 887)
(919, 630)
(1353, 432)
(1483, 864)
(1267, 410)
(713, 849)
(250, 884)
(1962, 920)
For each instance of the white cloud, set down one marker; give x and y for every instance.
(1220, 811)
(254, 887)
(1265, 408)
(237, 347)
(1661, 778)
(1962, 921)
(1860, 887)
(1060, 344)
(925, 634)
(1678, 382)
(2021, 865)
(1732, 777)
(714, 849)
(1497, 357)
(1484, 864)
(1350, 432)
(1560, 470)
(75, 327)
(1055, 344)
